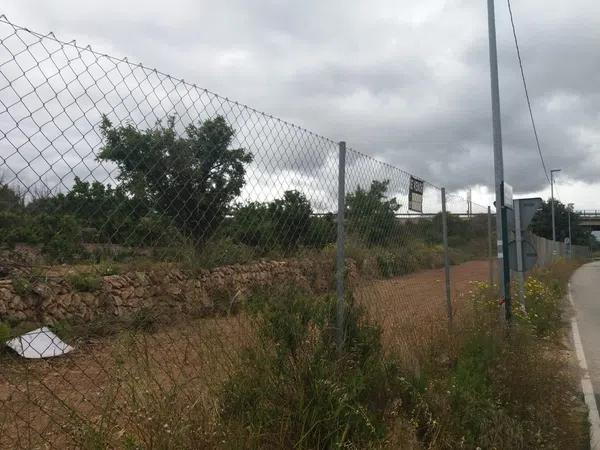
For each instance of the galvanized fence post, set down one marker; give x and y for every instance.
(490, 245)
(446, 257)
(340, 258)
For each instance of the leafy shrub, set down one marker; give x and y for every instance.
(296, 390)
(543, 305)
(321, 232)
(22, 285)
(18, 227)
(285, 223)
(107, 269)
(371, 215)
(291, 218)
(223, 252)
(11, 197)
(62, 237)
(252, 225)
(396, 261)
(85, 282)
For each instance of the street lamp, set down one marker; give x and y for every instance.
(569, 210)
(552, 196)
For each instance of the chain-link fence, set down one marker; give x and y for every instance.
(169, 239)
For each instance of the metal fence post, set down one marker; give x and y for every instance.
(340, 259)
(490, 245)
(446, 257)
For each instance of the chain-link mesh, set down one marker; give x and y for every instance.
(151, 230)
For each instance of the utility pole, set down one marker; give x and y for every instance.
(469, 204)
(552, 200)
(501, 222)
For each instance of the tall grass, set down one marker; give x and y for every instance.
(272, 377)
(297, 390)
(505, 387)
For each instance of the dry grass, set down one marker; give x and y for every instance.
(412, 309)
(160, 389)
(101, 390)
(496, 387)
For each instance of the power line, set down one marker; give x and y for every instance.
(537, 140)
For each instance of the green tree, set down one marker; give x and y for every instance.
(191, 179)
(370, 214)
(108, 211)
(542, 224)
(285, 223)
(10, 198)
(252, 225)
(291, 216)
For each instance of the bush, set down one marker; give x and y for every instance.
(223, 252)
(500, 388)
(17, 227)
(396, 261)
(543, 305)
(371, 215)
(284, 224)
(62, 237)
(22, 285)
(85, 282)
(295, 390)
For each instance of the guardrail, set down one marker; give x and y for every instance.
(589, 213)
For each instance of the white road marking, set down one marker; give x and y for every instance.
(586, 384)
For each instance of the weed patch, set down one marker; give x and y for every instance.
(85, 282)
(296, 390)
(22, 286)
(504, 387)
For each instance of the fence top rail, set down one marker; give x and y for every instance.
(88, 48)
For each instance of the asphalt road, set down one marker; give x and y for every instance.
(585, 294)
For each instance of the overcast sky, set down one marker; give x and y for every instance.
(404, 81)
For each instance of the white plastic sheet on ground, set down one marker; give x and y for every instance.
(40, 343)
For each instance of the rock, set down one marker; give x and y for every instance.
(116, 300)
(42, 290)
(113, 282)
(174, 290)
(126, 292)
(88, 299)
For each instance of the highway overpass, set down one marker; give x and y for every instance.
(590, 219)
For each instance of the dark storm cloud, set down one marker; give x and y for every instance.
(407, 82)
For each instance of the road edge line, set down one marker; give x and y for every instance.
(586, 382)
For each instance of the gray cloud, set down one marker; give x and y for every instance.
(405, 83)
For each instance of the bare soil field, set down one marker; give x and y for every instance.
(113, 384)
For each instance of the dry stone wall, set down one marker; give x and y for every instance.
(168, 290)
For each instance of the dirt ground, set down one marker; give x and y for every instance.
(50, 403)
